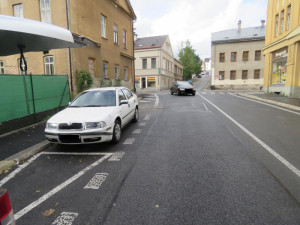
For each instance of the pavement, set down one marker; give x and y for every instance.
(19, 145)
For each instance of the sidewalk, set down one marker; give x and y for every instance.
(22, 144)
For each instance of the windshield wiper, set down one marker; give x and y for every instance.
(94, 105)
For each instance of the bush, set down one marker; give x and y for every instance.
(84, 80)
(117, 83)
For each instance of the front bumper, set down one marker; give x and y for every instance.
(187, 91)
(79, 137)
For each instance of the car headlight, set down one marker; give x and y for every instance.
(95, 125)
(52, 126)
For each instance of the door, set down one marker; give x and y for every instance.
(124, 108)
(143, 82)
(131, 101)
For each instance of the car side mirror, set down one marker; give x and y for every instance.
(123, 102)
(69, 103)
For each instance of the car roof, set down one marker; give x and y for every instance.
(32, 35)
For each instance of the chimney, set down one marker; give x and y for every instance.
(239, 25)
(262, 23)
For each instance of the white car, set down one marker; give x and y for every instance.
(96, 115)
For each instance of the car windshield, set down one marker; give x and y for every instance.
(183, 83)
(95, 99)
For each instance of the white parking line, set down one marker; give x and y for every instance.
(96, 181)
(137, 131)
(60, 187)
(65, 218)
(129, 141)
(264, 145)
(147, 117)
(117, 156)
(205, 106)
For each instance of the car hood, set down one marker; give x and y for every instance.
(83, 114)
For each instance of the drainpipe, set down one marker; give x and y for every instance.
(70, 55)
(133, 60)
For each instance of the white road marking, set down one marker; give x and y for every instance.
(96, 181)
(277, 107)
(142, 124)
(137, 131)
(221, 93)
(156, 101)
(204, 93)
(147, 117)
(129, 141)
(264, 145)
(60, 187)
(65, 218)
(205, 106)
(212, 93)
(117, 156)
(143, 101)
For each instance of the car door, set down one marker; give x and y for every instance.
(124, 109)
(131, 101)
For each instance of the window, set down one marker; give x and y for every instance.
(233, 56)
(23, 66)
(103, 26)
(144, 64)
(128, 93)
(245, 56)
(18, 10)
(276, 25)
(116, 41)
(221, 75)
(282, 22)
(222, 57)
(288, 19)
(45, 11)
(151, 82)
(153, 63)
(117, 72)
(121, 96)
(232, 74)
(245, 74)
(257, 55)
(105, 69)
(92, 66)
(125, 74)
(256, 74)
(49, 65)
(125, 38)
(1, 67)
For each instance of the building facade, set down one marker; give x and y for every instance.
(282, 48)
(155, 66)
(237, 59)
(104, 26)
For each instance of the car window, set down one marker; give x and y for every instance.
(95, 99)
(121, 96)
(128, 93)
(185, 83)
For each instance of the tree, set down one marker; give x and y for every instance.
(190, 60)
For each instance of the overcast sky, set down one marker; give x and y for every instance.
(195, 20)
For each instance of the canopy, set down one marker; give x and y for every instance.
(32, 36)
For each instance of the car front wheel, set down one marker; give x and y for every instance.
(136, 115)
(116, 132)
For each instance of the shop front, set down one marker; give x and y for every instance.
(279, 67)
(146, 82)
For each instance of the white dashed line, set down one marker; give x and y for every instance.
(129, 141)
(147, 117)
(65, 218)
(156, 101)
(116, 156)
(96, 181)
(137, 131)
(264, 145)
(205, 106)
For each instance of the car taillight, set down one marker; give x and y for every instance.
(5, 206)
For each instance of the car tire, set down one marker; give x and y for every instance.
(178, 93)
(194, 94)
(171, 92)
(136, 115)
(116, 132)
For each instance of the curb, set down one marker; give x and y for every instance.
(13, 160)
(284, 105)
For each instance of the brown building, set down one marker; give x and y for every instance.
(282, 48)
(104, 26)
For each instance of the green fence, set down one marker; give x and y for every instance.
(23, 95)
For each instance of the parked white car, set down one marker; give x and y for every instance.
(96, 115)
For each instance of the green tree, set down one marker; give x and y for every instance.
(190, 60)
(84, 80)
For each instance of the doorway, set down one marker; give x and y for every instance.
(143, 82)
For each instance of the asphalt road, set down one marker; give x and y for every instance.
(185, 162)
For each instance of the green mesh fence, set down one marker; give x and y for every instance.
(22, 95)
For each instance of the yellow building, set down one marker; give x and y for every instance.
(282, 48)
(105, 26)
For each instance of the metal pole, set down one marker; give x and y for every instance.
(33, 100)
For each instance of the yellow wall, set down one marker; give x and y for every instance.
(288, 38)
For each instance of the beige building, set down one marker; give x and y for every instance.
(237, 60)
(282, 48)
(155, 65)
(105, 26)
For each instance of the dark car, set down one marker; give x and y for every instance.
(182, 87)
